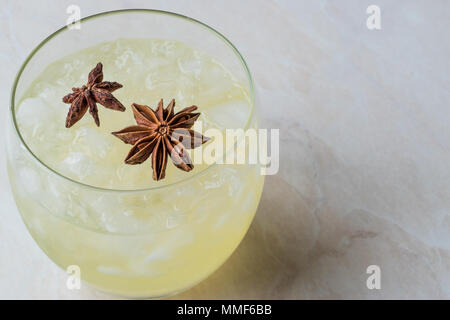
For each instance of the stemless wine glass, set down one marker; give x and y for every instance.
(183, 246)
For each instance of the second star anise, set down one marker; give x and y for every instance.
(160, 133)
(95, 91)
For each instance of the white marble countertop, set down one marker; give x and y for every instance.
(365, 148)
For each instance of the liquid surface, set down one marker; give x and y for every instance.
(148, 70)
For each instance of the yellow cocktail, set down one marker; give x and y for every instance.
(84, 206)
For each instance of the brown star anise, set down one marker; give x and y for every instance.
(87, 97)
(159, 133)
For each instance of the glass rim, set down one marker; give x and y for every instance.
(122, 11)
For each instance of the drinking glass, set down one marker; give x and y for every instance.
(191, 226)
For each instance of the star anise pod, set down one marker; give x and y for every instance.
(159, 133)
(87, 97)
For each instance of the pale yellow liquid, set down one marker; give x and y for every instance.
(149, 243)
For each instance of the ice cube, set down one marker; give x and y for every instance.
(96, 142)
(160, 253)
(150, 80)
(166, 48)
(233, 179)
(216, 82)
(32, 182)
(213, 183)
(112, 214)
(79, 164)
(190, 66)
(56, 198)
(32, 114)
(221, 221)
(109, 270)
(103, 209)
(157, 62)
(175, 219)
(122, 61)
(230, 114)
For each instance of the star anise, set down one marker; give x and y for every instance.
(87, 97)
(159, 133)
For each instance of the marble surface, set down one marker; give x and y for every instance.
(365, 148)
